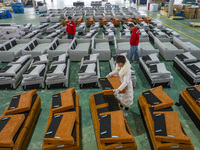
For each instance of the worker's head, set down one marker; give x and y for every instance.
(120, 60)
(70, 19)
(131, 26)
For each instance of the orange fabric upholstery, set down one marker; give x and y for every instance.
(102, 21)
(61, 137)
(115, 129)
(177, 138)
(66, 100)
(115, 82)
(163, 97)
(10, 129)
(24, 103)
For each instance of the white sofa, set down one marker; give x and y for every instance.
(102, 47)
(36, 47)
(58, 47)
(167, 49)
(11, 49)
(78, 49)
(187, 46)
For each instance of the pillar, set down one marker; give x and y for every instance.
(170, 9)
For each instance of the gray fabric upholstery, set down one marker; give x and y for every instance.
(104, 46)
(146, 48)
(167, 49)
(78, 49)
(82, 46)
(187, 46)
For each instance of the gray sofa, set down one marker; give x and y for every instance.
(11, 49)
(78, 49)
(102, 47)
(58, 47)
(187, 46)
(122, 46)
(167, 49)
(43, 18)
(33, 34)
(36, 47)
(11, 75)
(145, 48)
(57, 33)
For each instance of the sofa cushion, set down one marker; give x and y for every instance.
(41, 47)
(82, 46)
(17, 48)
(146, 46)
(63, 47)
(170, 46)
(124, 45)
(191, 46)
(103, 46)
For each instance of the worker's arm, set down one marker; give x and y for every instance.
(74, 28)
(113, 73)
(125, 83)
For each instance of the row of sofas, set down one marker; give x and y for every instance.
(111, 128)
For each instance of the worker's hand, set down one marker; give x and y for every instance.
(116, 92)
(108, 76)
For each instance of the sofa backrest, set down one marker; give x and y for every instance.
(35, 42)
(13, 42)
(74, 44)
(8, 46)
(27, 48)
(31, 46)
(2, 48)
(54, 44)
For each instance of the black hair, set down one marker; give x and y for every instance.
(120, 59)
(131, 25)
(69, 17)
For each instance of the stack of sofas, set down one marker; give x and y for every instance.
(110, 126)
(162, 123)
(190, 100)
(18, 121)
(62, 131)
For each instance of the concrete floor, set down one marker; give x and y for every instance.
(88, 140)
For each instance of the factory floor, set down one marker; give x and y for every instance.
(88, 140)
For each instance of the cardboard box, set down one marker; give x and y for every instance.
(165, 8)
(178, 8)
(189, 13)
(198, 13)
(164, 13)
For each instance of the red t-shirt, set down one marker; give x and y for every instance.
(135, 37)
(71, 28)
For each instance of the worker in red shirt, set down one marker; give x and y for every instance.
(71, 28)
(134, 41)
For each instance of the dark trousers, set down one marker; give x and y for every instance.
(71, 36)
(126, 108)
